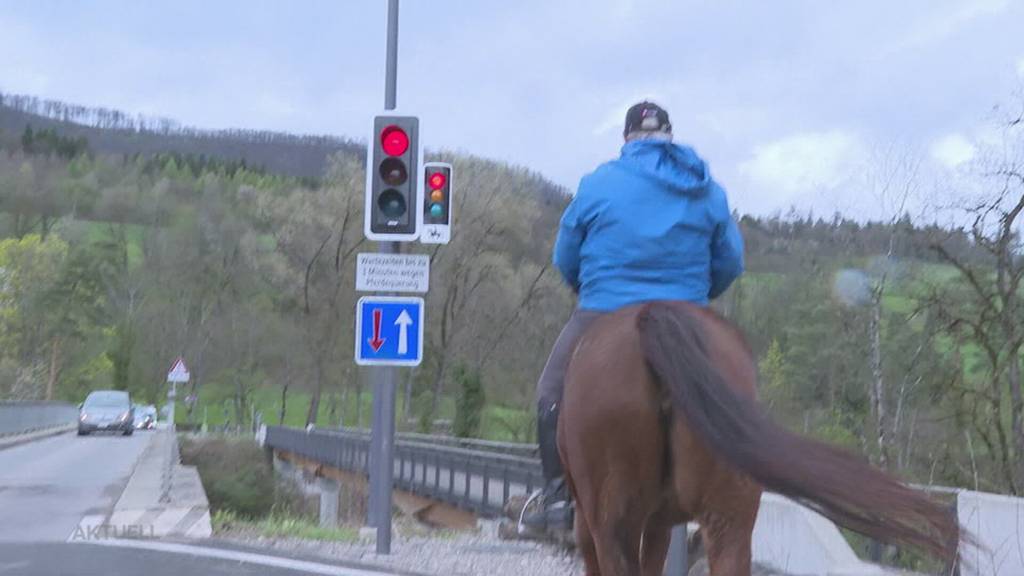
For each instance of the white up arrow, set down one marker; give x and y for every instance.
(403, 322)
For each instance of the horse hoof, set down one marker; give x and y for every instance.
(514, 506)
(508, 531)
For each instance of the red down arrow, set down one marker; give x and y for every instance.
(376, 342)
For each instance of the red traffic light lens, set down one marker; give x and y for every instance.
(394, 141)
(436, 180)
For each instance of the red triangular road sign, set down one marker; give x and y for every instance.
(178, 372)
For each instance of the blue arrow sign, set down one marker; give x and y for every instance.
(389, 331)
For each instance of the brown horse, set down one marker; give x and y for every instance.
(660, 426)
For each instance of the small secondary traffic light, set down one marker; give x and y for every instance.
(392, 190)
(437, 203)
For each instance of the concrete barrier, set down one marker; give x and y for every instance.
(162, 497)
(21, 417)
(799, 541)
(997, 523)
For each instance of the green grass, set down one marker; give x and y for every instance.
(506, 424)
(213, 399)
(281, 526)
(501, 423)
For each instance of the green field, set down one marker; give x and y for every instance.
(498, 423)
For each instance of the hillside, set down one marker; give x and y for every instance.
(124, 243)
(115, 132)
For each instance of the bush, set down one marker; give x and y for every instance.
(469, 405)
(236, 475)
(282, 526)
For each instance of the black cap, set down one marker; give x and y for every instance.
(647, 117)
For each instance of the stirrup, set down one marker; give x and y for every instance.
(520, 527)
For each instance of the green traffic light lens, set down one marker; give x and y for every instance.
(436, 210)
(391, 203)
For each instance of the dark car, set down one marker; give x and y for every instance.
(106, 410)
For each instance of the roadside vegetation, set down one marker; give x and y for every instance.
(246, 497)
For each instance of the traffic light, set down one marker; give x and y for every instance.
(392, 162)
(437, 203)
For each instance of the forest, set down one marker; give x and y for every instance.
(127, 241)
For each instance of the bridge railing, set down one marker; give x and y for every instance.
(472, 479)
(19, 417)
(489, 446)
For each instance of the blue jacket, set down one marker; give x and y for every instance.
(651, 225)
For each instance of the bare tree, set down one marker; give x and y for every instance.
(893, 182)
(990, 310)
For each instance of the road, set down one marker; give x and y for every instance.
(147, 558)
(48, 485)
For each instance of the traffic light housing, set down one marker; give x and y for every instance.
(437, 203)
(392, 188)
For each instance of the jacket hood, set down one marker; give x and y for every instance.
(672, 165)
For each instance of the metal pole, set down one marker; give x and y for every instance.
(386, 460)
(391, 70)
(172, 399)
(385, 378)
(375, 438)
(677, 563)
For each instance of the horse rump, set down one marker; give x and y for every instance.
(841, 486)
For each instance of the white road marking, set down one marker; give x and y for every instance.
(238, 556)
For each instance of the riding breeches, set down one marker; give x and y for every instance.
(552, 379)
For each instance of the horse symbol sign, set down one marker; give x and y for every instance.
(389, 331)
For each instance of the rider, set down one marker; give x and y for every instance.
(651, 225)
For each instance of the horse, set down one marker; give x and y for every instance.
(660, 425)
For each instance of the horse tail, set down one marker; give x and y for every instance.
(835, 483)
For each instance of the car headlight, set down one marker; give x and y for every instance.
(125, 415)
(83, 417)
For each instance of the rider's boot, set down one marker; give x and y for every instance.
(555, 509)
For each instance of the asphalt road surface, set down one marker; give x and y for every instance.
(46, 488)
(48, 485)
(145, 558)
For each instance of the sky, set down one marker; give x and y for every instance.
(793, 103)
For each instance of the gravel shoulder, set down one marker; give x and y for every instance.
(443, 553)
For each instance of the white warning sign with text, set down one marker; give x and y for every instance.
(392, 272)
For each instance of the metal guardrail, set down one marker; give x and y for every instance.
(489, 446)
(472, 479)
(19, 417)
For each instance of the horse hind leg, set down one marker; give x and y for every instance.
(654, 550)
(617, 533)
(727, 530)
(585, 545)
(608, 528)
(618, 549)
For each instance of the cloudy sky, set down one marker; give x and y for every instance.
(790, 101)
